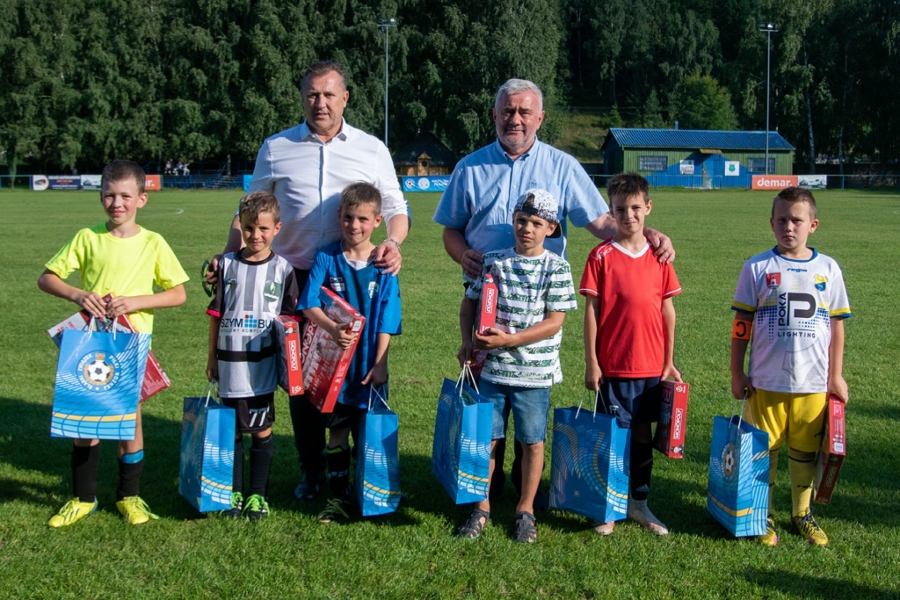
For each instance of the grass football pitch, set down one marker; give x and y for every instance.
(413, 554)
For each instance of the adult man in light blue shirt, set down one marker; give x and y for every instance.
(476, 208)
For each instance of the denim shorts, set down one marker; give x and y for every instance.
(530, 408)
(631, 399)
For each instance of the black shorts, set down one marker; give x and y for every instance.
(344, 416)
(253, 414)
(631, 399)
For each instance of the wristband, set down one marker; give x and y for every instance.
(395, 242)
(741, 329)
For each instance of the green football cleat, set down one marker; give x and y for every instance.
(72, 511)
(237, 506)
(806, 526)
(135, 510)
(256, 508)
(334, 511)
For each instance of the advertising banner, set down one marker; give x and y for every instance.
(812, 182)
(431, 183)
(90, 182)
(775, 183)
(686, 167)
(247, 180)
(64, 182)
(39, 183)
(152, 183)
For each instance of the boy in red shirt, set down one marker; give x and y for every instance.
(629, 334)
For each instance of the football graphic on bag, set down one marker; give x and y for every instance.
(98, 371)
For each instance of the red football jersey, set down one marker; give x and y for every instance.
(631, 337)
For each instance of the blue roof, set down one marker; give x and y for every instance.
(695, 138)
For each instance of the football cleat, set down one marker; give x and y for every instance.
(135, 510)
(770, 537)
(256, 508)
(640, 514)
(334, 511)
(237, 506)
(72, 511)
(806, 526)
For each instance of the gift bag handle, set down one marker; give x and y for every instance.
(374, 391)
(597, 396)
(466, 374)
(210, 387)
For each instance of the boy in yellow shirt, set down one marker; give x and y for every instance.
(120, 258)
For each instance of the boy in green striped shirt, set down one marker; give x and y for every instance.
(534, 292)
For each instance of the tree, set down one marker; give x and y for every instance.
(700, 102)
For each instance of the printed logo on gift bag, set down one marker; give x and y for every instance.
(99, 371)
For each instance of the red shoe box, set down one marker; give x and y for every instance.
(325, 363)
(831, 456)
(670, 430)
(155, 379)
(487, 314)
(290, 371)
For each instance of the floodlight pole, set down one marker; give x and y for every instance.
(384, 26)
(768, 29)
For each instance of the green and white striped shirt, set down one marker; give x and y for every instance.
(528, 288)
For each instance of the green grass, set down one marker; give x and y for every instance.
(413, 554)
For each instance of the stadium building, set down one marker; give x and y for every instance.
(695, 158)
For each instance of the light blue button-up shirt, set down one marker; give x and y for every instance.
(486, 184)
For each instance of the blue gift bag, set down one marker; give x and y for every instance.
(461, 454)
(738, 489)
(207, 454)
(98, 384)
(589, 466)
(378, 467)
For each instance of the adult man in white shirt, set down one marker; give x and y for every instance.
(306, 167)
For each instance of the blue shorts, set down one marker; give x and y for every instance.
(631, 399)
(530, 408)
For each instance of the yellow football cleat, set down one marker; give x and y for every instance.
(135, 510)
(72, 511)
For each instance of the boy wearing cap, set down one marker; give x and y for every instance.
(535, 290)
(629, 334)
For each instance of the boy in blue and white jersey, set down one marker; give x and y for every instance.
(255, 286)
(794, 300)
(348, 269)
(534, 292)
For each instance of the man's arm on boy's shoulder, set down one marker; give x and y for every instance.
(91, 302)
(740, 339)
(124, 305)
(378, 375)
(836, 383)
(668, 314)
(493, 338)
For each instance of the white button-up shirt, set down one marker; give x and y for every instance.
(307, 176)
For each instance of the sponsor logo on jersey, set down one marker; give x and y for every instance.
(98, 371)
(773, 280)
(373, 289)
(248, 321)
(271, 291)
(795, 305)
(337, 284)
(821, 280)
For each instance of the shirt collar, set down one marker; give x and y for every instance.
(505, 154)
(343, 135)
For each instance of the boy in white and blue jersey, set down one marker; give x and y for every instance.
(535, 291)
(347, 268)
(793, 301)
(255, 285)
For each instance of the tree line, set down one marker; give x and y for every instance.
(85, 81)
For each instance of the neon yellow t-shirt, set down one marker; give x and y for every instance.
(121, 267)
